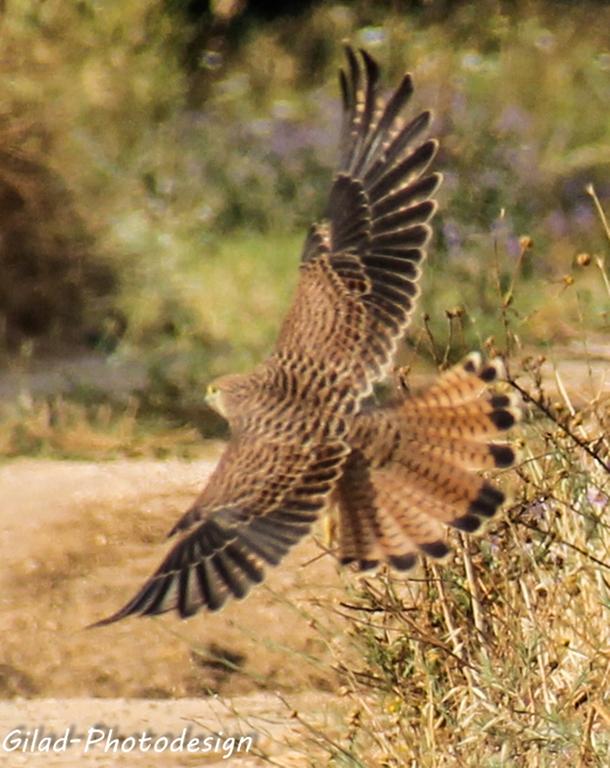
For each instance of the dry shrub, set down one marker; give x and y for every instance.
(52, 286)
(501, 656)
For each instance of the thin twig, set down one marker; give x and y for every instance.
(549, 414)
(590, 189)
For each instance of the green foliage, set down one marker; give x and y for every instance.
(84, 87)
(192, 189)
(517, 152)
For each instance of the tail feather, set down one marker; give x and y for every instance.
(484, 417)
(359, 532)
(398, 503)
(407, 517)
(461, 384)
(452, 488)
(466, 453)
(410, 472)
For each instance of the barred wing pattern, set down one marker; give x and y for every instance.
(361, 264)
(355, 294)
(257, 504)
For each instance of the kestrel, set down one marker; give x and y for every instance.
(304, 433)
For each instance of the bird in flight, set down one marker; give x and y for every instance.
(304, 432)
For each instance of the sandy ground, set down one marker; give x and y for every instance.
(248, 731)
(76, 539)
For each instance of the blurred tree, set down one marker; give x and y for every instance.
(50, 283)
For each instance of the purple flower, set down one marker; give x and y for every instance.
(557, 224)
(373, 35)
(514, 119)
(583, 217)
(453, 236)
(596, 498)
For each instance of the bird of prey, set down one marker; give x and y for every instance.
(304, 434)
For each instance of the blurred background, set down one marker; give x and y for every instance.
(160, 163)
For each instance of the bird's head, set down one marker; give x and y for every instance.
(231, 396)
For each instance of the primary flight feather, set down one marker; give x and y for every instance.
(301, 434)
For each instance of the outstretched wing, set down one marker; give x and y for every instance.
(356, 292)
(261, 500)
(361, 264)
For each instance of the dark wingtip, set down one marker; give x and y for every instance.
(139, 605)
(402, 562)
(371, 66)
(186, 610)
(120, 614)
(426, 115)
(503, 455)
(350, 55)
(436, 549)
(487, 502)
(502, 419)
(345, 96)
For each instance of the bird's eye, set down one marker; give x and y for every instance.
(212, 390)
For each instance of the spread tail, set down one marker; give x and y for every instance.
(411, 470)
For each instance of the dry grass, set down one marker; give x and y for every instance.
(65, 428)
(501, 656)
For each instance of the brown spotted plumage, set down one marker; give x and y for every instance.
(409, 474)
(301, 434)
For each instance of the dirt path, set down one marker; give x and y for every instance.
(76, 539)
(185, 732)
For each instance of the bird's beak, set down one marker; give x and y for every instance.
(212, 400)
